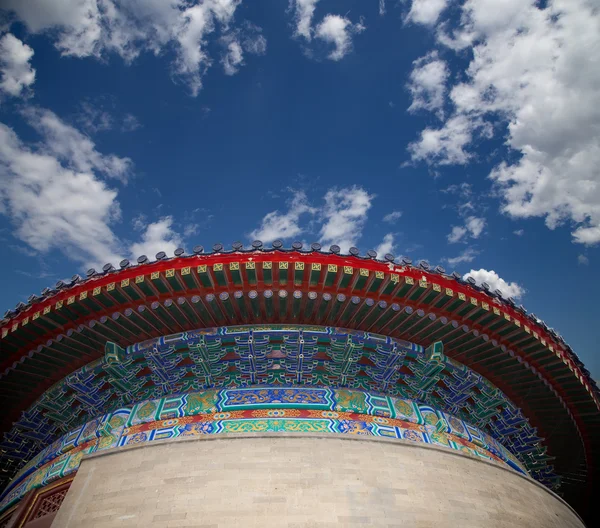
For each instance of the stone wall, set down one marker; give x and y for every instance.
(287, 480)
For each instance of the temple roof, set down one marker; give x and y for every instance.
(67, 327)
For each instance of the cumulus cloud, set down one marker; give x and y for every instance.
(387, 245)
(473, 228)
(495, 282)
(53, 206)
(345, 214)
(475, 225)
(338, 30)
(16, 72)
(284, 225)
(304, 11)
(196, 23)
(341, 218)
(333, 29)
(426, 12)
(427, 84)
(393, 217)
(448, 144)
(54, 194)
(157, 236)
(468, 255)
(519, 232)
(72, 147)
(97, 28)
(457, 234)
(533, 69)
(83, 28)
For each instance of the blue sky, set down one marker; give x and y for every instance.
(466, 133)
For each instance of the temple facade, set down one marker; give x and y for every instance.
(301, 387)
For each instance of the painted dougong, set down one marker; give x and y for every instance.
(300, 347)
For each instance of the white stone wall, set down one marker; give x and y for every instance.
(276, 480)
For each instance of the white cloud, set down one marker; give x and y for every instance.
(84, 28)
(382, 7)
(468, 255)
(196, 22)
(16, 72)
(233, 58)
(393, 217)
(447, 145)
(249, 39)
(427, 84)
(284, 225)
(53, 207)
(583, 260)
(426, 12)
(338, 31)
(457, 234)
(157, 236)
(253, 40)
(139, 222)
(333, 29)
(387, 245)
(72, 147)
(190, 230)
(23, 250)
(304, 11)
(534, 68)
(97, 28)
(56, 200)
(519, 232)
(345, 214)
(341, 217)
(98, 115)
(463, 189)
(473, 227)
(508, 289)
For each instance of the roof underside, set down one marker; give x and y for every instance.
(67, 328)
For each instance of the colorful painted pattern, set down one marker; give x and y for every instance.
(207, 360)
(257, 409)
